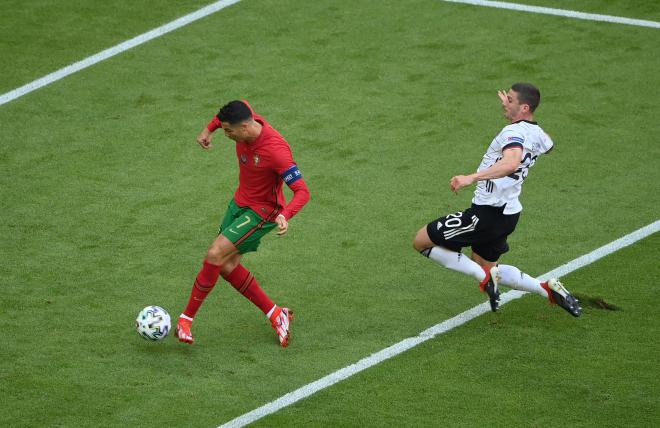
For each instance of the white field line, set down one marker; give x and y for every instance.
(214, 7)
(117, 49)
(430, 333)
(559, 12)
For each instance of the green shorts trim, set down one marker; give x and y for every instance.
(244, 228)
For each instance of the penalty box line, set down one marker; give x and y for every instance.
(219, 5)
(430, 333)
(559, 12)
(115, 50)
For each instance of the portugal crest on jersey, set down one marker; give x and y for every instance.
(243, 158)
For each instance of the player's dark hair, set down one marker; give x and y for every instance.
(234, 112)
(528, 94)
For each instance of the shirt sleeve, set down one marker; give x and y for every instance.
(300, 198)
(510, 139)
(546, 144)
(289, 172)
(249, 106)
(214, 124)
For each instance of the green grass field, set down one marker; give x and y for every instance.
(108, 205)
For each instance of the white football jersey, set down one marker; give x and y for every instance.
(505, 191)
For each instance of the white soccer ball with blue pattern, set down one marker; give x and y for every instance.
(153, 323)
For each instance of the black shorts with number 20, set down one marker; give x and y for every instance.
(482, 227)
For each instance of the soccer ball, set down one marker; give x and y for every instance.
(153, 323)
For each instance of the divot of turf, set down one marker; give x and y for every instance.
(596, 302)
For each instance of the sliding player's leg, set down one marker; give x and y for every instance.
(442, 241)
(552, 289)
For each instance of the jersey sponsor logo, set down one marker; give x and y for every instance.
(291, 175)
(256, 160)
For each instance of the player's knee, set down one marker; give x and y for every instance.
(421, 241)
(213, 256)
(216, 255)
(416, 245)
(221, 251)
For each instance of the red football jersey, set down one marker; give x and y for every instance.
(264, 165)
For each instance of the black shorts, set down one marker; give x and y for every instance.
(482, 227)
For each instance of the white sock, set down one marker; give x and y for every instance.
(185, 317)
(512, 277)
(456, 261)
(271, 311)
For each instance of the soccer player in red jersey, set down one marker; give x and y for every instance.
(258, 206)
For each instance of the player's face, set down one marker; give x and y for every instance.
(236, 132)
(513, 109)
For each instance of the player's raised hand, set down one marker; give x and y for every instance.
(504, 97)
(459, 181)
(204, 139)
(282, 224)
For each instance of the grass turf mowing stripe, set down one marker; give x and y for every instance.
(219, 5)
(430, 333)
(560, 12)
(115, 50)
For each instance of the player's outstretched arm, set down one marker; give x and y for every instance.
(301, 196)
(457, 182)
(204, 139)
(508, 164)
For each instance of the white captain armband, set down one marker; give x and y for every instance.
(291, 175)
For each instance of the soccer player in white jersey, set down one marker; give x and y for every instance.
(495, 208)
